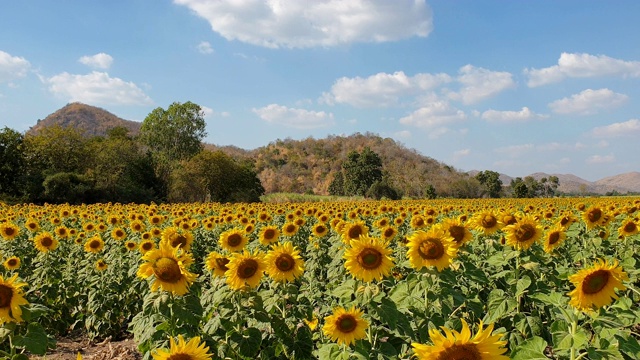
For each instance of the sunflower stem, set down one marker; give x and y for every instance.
(517, 279)
(573, 330)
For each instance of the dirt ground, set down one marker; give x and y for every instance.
(67, 349)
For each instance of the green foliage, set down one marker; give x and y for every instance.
(491, 181)
(11, 161)
(382, 189)
(176, 132)
(361, 171)
(529, 187)
(337, 184)
(67, 187)
(215, 176)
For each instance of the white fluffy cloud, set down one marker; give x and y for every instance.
(600, 159)
(588, 102)
(208, 112)
(511, 116)
(12, 67)
(479, 84)
(205, 47)
(311, 23)
(382, 89)
(582, 66)
(97, 61)
(627, 128)
(97, 88)
(435, 114)
(295, 118)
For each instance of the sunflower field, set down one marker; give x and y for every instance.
(413, 279)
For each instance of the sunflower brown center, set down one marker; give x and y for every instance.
(595, 282)
(46, 241)
(389, 232)
(269, 234)
(355, 232)
(457, 233)
(460, 352)
(346, 323)
(180, 357)
(419, 222)
(525, 233)
(221, 263)
(489, 221)
(285, 262)
(179, 240)
(247, 268)
(167, 270)
(6, 293)
(554, 237)
(320, 229)
(509, 220)
(431, 249)
(9, 231)
(147, 246)
(291, 228)
(564, 221)
(12, 262)
(119, 233)
(234, 240)
(94, 244)
(630, 227)
(594, 215)
(370, 258)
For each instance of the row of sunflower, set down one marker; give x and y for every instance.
(547, 278)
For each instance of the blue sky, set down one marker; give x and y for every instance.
(512, 86)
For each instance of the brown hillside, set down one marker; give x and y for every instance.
(628, 181)
(92, 120)
(310, 164)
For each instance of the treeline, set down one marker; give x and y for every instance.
(166, 161)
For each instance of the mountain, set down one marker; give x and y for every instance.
(571, 184)
(94, 121)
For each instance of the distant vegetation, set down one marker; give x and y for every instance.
(85, 154)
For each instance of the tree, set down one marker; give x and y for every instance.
(175, 133)
(466, 188)
(12, 161)
(361, 170)
(549, 186)
(215, 176)
(491, 181)
(337, 184)
(519, 188)
(430, 193)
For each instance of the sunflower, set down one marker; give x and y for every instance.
(9, 231)
(418, 222)
(320, 230)
(245, 269)
(353, 231)
(130, 245)
(194, 349)
(486, 222)
(217, 264)
(101, 265)
(176, 237)
(460, 345)
(62, 232)
(137, 226)
(269, 234)
(45, 242)
(345, 326)
(593, 217)
(554, 237)
(10, 299)
(284, 263)
(233, 240)
(118, 233)
(12, 263)
(146, 245)
(169, 267)
(595, 286)
(388, 233)
(628, 228)
(431, 248)
(289, 229)
(95, 244)
(368, 258)
(523, 233)
(32, 225)
(460, 233)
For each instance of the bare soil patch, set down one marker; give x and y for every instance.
(68, 349)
